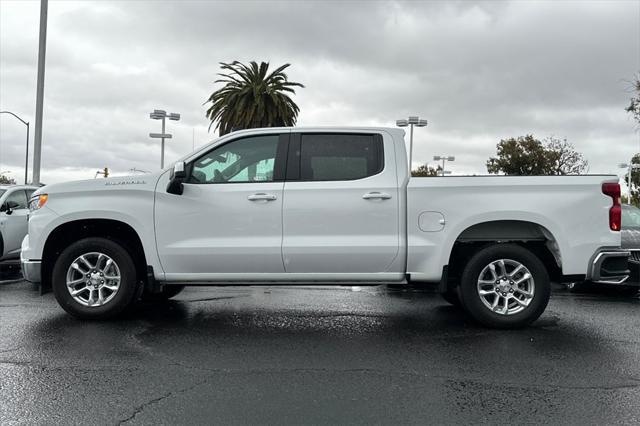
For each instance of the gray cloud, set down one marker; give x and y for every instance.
(479, 71)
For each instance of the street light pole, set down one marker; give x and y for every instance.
(42, 49)
(26, 159)
(444, 158)
(411, 121)
(629, 182)
(159, 114)
(162, 147)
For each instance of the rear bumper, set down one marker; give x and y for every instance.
(609, 266)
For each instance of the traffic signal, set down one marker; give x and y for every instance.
(105, 172)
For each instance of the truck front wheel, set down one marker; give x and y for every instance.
(505, 286)
(94, 278)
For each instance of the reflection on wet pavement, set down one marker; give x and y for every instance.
(317, 355)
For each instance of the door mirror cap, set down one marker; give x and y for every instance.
(178, 170)
(178, 176)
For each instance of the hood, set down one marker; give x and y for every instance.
(134, 182)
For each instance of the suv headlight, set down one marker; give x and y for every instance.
(38, 201)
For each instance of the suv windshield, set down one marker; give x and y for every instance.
(630, 217)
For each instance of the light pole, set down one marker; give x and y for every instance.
(629, 166)
(42, 53)
(159, 114)
(411, 121)
(444, 158)
(26, 160)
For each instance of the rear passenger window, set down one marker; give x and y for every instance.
(340, 156)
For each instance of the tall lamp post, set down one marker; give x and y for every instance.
(444, 158)
(159, 114)
(411, 121)
(26, 161)
(42, 53)
(629, 166)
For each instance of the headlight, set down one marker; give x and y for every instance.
(38, 201)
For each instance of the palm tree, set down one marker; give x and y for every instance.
(251, 98)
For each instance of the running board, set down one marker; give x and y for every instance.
(284, 283)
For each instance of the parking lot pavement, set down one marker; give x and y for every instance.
(317, 355)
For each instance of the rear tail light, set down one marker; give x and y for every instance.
(615, 212)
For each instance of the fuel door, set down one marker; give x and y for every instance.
(431, 221)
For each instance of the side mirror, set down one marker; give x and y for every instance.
(178, 176)
(9, 206)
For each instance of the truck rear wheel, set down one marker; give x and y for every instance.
(94, 278)
(505, 286)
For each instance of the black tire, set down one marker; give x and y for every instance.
(483, 314)
(168, 291)
(451, 296)
(125, 294)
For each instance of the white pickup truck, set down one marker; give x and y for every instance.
(322, 206)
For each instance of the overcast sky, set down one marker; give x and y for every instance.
(478, 71)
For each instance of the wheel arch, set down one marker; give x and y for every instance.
(67, 233)
(531, 235)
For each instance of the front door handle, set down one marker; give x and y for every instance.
(260, 196)
(376, 195)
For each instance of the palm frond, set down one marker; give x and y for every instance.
(252, 97)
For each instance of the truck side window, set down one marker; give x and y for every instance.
(326, 157)
(250, 159)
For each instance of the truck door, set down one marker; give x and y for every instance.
(14, 220)
(228, 221)
(341, 205)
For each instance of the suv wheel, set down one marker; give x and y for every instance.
(505, 286)
(94, 278)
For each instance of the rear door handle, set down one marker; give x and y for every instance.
(376, 195)
(261, 196)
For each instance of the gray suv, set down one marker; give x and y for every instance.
(14, 215)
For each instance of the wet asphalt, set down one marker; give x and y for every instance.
(331, 355)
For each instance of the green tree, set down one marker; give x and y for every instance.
(425, 171)
(252, 98)
(563, 157)
(528, 156)
(635, 182)
(634, 104)
(6, 180)
(522, 156)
